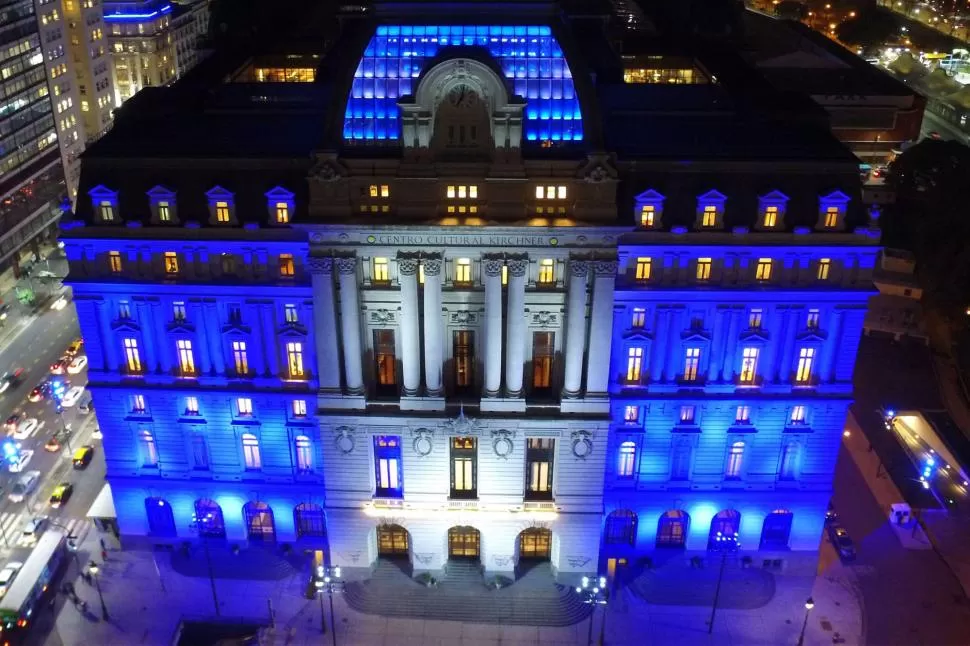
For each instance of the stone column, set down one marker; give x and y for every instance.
(410, 334)
(325, 323)
(785, 369)
(216, 346)
(270, 348)
(200, 343)
(600, 328)
(112, 341)
(716, 359)
(773, 347)
(731, 346)
(350, 324)
(658, 347)
(493, 326)
(433, 330)
(148, 334)
(575, 328)
(161, 338)
(675, 346)
(827, 370)
(515, 336)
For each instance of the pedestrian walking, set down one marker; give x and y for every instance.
(104, 546)
(104, 555)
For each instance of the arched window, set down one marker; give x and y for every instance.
(672, 529)
(735, 457)
(621, 528)
(776, 531)
(251, 457)
(790, 454)
(627, 459)
(392, 541)
(304, 453)
(208, 516)
(309, 520)
(161, 520)
(726, 524)
(149, 454)
(535, 543)
(259, 521)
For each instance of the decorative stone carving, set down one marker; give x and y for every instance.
(582, 444)
(493, 266)
(346, 265)
(518, 266)
(463, 317)
(382, 316)
(598, 169)
(604, 267)
(423, 442)
(578, 561)
(578, 268)
(543, 319)
(320, 265)
(326, 168)
(424, 558)
(462, 426)
(432, 266)
(345, 440)
(407, 266)
(502, 561)
(502, 443)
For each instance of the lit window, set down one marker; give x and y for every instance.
(634, 362)
(379, 190)
(282, 212)
(287, 268)
(687, 414)
(171, 262)
(710, 216)
(704, 268)
(692, 361)
(240, 357)
(463, 271)
(107, 211)
(749, 365)
(186, 357)
(244, 406)
(797, 415)
(627, 459)
(550, 192)
(149, 454)
(251, 451)
(178, 310)
(639, 317)
(114, 261)
(191, 405)
(643, 269)
(124, 310)
(290, 314)
(164, 212)
(137, 403)
(222, 211)
(831, 217)
(387, 455)
(735, 456)
(648, 214)
(294, 359)
(132, 356)
(823, 269)
(421, 273)
(789, 461)
(382, 272)
(742, 415)
(462, 193)
(299, 408)
(771, 216)
(547, 271)
(304, 453)
(754, 319)
(505, 275)
(811, 321)
(763, 271)
(631, 414)
(806, 357)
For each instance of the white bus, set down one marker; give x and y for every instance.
(31, 583)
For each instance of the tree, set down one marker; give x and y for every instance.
(874, 26)
(791, 10)
(25, 295)
(929, 218)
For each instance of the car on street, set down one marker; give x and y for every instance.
(41, 391)
(71, 396)
(62, 493)
(82, 457)
(97, 435)
(7, 575)
(59, 304)
(75, 346)
(22, 461)
(33, 528)
(53, 445)
(12, 422)
(77, 364)
(26, 428)
(831, 515)
(841, 541)
(11, 379)
(26, 483)
(59, 366)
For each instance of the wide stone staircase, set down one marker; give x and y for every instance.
(461, 595)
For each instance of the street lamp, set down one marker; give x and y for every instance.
(93, 571)
(200, 525)
(725, 544)
(327, 581)
(809, 604)
(597, 595)
(57, 396)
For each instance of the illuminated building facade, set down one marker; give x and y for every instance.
(372, 309)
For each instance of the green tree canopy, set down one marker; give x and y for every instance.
(871, 27)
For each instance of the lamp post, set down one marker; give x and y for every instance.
(200, 526)
(57, 395)
(809, 604)
(597, 595)
(93, 570)
(725, 544)
(327, 581)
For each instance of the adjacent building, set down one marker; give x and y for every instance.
(428, 291)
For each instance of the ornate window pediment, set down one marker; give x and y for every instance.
(280, 204)
(753, 337)
(163, 204)
(236, 328)
(126, 325)
(638, 334)
(649, 209)
(812, 336)
(696, 336)
(104, 203)
(222, 207)
(771, 211)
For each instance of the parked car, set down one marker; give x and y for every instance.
(831, 515)
(842, 541)
(41, 391)
(12, 422)
(77, 365)
(11, 379)
(59, 366)
(25, 428)
(7, 575)
(82, 457)
(62, 493)
(33, 528)
(22, 461)
(75, 346)
(26, 483)
(71, 396)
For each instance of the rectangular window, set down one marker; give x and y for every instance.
(251, 456)
(222, 211)
(298, 408)
(692, 360)
(823, 269)
(227, 262)
(742, 415)
(137, 403)
(631, 414)
(382, 272)
(735, 457)
(634, 364)
(149, 453)
(749, 365)
(114, 261)
(639, 317)
(282, 212)
(132, 356)
(704, 268)
(171, 262)
(648, 214)
(240, 357)
(200, 452)
(539, 457)
(643, 269)
(505, 275)
(290, 314)
(547, 271)
(186, 358)
(421, 273)
(463, 271)
(806, 357)
(244, 406)
(462, 194)
(763, 271)
(626, 460)
(754, 318)
(387, 463)
(164, 212)
(385, 360)
(797, 415)
(178, 311)
(107, 211)
(687, 414)
(191, 405)
(831, 217)
(464, 358)
(294, 360)
(379, 190)
(811, 320)
(304, 453)
(234, 314)
(287, 268)
(124, 310)
(788, 470)
(550, 192)
(464, 459)
(680, 461)
(543, 353)
(771, 217)
(710, 216)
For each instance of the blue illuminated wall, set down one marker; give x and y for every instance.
(530, 58)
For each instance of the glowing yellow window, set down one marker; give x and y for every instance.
(831, 217)
(547, 271)
(823, 269)
(287, 268)
(806, 357)
(710, 216)
(171, 262)
(643, 269)
(107, 211)
(631, 414)
(164, 212)
(749, 365)
(222, 211)
(382, 273)
(282, 212)
(114, 260)
(505, 274)
(639, 317)
(704, 268)
(648, 214)
(463, 271)
(692, 360)
(421, 273)
(771, 216)
(763, 271)
(634, 362)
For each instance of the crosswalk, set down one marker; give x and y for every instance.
(12, 528)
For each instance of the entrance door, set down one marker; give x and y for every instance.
(464, 542)
(535, 543)
(392, 541)
(614, 566)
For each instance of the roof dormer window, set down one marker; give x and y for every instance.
(221, 206)
(710, 210)
(771, 211)
(649, 209)
(280, 204)
(163, 206)
(831, 211)
(105, 204)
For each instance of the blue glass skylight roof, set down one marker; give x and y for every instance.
(530, 58)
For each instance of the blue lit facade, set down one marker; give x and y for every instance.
(530, 58)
